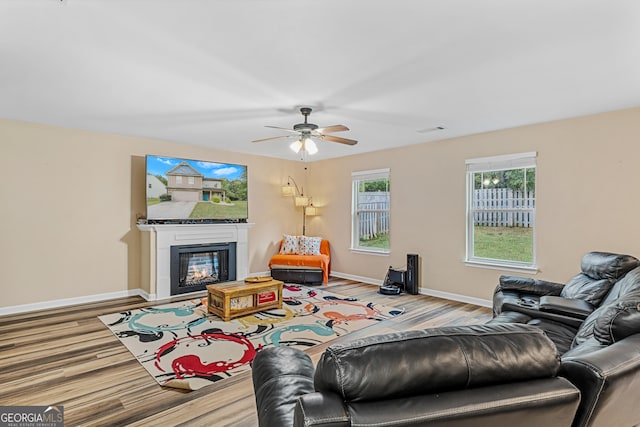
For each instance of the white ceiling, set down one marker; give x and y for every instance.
(214, 73)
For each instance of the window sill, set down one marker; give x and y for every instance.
(369, 252)
(500, 266)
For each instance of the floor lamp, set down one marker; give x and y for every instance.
(300, 200)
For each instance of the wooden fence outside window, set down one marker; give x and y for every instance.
(373, 214)
(503, 207)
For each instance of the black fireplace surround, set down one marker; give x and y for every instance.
(193, 267)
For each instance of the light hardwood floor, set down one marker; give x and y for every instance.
(68, 357)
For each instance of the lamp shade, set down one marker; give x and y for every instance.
(288, 190)
(311, 211)
(302, 201)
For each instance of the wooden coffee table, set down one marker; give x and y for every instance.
(233, 299)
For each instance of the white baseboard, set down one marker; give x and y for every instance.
(456, 297)
(25, 308)
(45, 305)
(357, 278)
(144, 294)
(423, 291)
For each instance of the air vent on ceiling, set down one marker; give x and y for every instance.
(433, 129)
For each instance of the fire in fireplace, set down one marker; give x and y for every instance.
(193, 267)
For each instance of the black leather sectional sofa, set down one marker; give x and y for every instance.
(599, 343)
(553, 355)
(483, 375)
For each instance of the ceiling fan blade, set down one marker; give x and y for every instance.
(285, 129)
(272, 138)
(331, 129)
(340, 140)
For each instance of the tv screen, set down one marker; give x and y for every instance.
(192, 191)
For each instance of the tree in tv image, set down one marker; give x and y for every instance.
(183, 189)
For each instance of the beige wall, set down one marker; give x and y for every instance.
(587, 177)
(71, 198)
(70, 201)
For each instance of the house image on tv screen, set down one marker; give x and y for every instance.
(155, 187)
(187, 190)
(186, 184)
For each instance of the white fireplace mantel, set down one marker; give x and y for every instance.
(163, 236)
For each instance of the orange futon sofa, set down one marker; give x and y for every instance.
(302, 269)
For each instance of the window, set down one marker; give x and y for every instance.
(178, 179)
(191, 180)
(370, 211)
(501, 210)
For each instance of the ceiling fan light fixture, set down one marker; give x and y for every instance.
(296, 146)
(310, 146)
(304, 145)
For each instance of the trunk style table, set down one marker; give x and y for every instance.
(233, 299)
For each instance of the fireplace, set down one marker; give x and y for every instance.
(193, 267)
(160, 238)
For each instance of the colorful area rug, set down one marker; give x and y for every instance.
(183, 346)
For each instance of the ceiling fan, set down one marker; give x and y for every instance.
(305, 131)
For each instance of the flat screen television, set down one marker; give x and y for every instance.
(195, 191)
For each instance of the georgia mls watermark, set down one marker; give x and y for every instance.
(32, 416)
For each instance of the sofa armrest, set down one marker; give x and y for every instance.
(528, 286)
(577, 308)
(280, 376)
(605, 378)
(321, 410)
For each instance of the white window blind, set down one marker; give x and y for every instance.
(506, 162)
(371, 175)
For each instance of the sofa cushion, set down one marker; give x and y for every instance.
(605, 265)
(585, 288)
(587, 347)
(586, 329)
(600, 270)
(609, 310)
(619, 320)
(628, 284)
(435, 360)
(561, 334)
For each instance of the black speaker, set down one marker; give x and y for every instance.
(412, 275)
